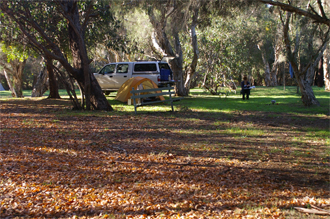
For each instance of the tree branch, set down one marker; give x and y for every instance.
(87, 15)
(290, 8)
(313, 10)
(57, 55)
(321, 9)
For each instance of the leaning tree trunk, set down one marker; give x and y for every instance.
(15, 82)
(163, 45)
(41, 85)
(90, 87)
(9, 82)
(304, 76)
(68, 82)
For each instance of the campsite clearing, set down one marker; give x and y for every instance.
(195, 162)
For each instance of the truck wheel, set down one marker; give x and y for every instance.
(106, 92)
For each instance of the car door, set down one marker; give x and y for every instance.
(121, 75)
(105, 76)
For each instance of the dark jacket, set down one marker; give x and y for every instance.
(247, 86)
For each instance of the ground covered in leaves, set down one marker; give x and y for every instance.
(188, 164)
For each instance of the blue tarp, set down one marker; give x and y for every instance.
(165, 74)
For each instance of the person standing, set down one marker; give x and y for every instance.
(245, 85)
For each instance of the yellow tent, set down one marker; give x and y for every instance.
(139, 83)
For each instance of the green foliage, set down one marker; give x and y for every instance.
(228, 47)
(15, 52)
(138, 31)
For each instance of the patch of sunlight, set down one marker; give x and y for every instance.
(244, 132)
(57, 150)
(185, 131)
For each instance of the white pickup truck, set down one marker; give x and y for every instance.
(113, 75)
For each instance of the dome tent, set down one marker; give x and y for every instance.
(138, 83)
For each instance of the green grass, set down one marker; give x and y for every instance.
(260, 100)
(27, 93)
(287, 101)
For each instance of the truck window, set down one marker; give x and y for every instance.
(122, 68)
(108, 69)
(145, 67)
(164, 66)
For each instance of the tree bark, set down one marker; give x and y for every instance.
(14, 76)
(320, 74)
(163, 46)
(41, 86)
(275, 67)
(289, 8)
(18, 76)
(266, 66)
(53, 87)
(90, 87)
(304, 76)
(69, 86)
(192, 67)
(326, 70)
(9, 82)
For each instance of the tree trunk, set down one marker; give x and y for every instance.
(17, 80)
(274, 71)
(192, 68)
(53, 88)
(163, 46)
(284, 75)
(267, 74)
(68, 82)
(16, 83)
(320, 74)
(326, 70)
(304, 76)
(9, 82)
(266, 66)
(41, 86)
(91, 89)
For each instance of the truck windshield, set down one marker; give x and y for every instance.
(108, 69)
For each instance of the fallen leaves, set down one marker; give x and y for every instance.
(145, 167)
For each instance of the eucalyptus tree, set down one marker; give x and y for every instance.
(326, 69)
(74, 19)
(124, 37)
(169, 19)
(311, 28)
(14, 53)
(12, 61)
(228, 47)
(172, 21)
(269, 43)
